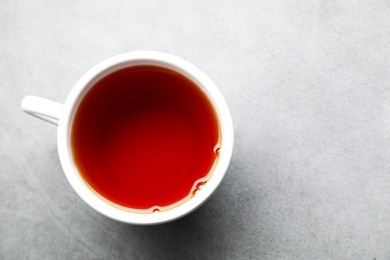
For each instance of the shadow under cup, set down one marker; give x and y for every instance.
(146, 138)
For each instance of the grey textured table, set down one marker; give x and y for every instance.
(308, 85)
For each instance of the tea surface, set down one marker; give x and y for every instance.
(143, 136)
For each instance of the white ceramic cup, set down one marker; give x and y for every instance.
(62, 115)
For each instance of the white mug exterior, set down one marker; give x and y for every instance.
(63, 115)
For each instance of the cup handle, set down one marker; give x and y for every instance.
(42, 108)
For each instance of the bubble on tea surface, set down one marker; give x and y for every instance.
(156, 210)
(217, 149)
(198, 187)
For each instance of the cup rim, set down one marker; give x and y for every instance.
(144, 58)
